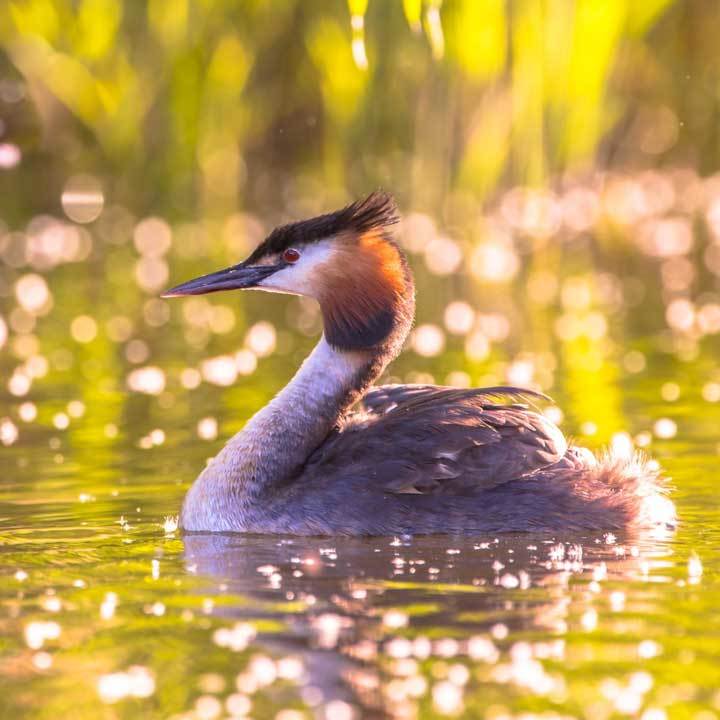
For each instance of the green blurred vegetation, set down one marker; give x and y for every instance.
(197, 107)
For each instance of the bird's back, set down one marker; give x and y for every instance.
(426, 459)
(440, 440)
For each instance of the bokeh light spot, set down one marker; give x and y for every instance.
(82, 198)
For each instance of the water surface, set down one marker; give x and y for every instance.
(108, 612)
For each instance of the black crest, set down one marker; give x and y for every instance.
(377, 210)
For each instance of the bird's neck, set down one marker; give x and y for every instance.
(276, 442)
(278, 439)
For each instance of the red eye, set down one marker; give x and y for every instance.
(291, 255)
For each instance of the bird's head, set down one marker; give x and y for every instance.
(346, 260)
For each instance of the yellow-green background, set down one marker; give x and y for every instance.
(555, 163)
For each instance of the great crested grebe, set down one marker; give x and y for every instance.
(413, 459)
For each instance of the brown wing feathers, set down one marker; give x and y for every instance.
(427, 439)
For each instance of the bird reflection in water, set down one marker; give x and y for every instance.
(362, 614)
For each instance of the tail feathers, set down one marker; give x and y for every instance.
(633, 485)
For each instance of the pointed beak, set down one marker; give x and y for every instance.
(237, 277)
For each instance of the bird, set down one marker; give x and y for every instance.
(332, 454)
